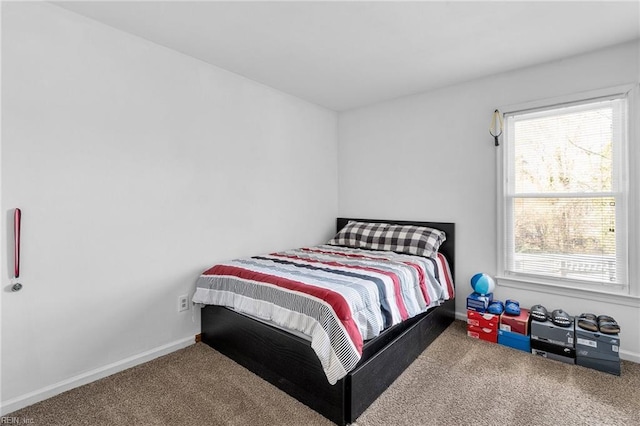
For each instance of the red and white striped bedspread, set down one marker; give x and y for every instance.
(336, 296)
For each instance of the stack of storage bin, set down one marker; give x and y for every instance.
(514, 331)
(552, 341)
(597, 350)
(480, 324)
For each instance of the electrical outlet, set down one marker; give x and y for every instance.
(183, 303)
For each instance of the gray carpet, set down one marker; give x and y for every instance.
(456, 381)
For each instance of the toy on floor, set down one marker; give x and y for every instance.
(482, 283)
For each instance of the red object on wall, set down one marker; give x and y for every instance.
(17, 216)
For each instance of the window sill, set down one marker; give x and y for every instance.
(560, 290)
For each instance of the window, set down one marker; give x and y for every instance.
(565, 194)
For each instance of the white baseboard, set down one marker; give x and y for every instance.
(630, 356)
(46, 392)
(626, 355)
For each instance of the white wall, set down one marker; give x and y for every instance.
(430, 157)
(136, 168)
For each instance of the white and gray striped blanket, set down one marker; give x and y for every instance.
(336, 296)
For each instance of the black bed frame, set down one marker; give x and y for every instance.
(289, 363)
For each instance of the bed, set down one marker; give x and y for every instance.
(287, 359)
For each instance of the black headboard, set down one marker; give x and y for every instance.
(447, 248)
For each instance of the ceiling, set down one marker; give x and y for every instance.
(346, 54)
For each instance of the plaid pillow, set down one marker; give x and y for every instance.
(408, 239)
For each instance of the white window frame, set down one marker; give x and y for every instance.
(630, 294)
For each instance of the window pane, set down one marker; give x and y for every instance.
(565, 194)
(565, 237)
(567, 152)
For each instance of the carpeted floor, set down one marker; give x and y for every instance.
(456, 381)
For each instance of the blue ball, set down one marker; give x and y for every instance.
(482, 283)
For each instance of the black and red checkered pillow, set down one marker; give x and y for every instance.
(408, 239)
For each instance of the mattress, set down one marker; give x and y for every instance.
(337, 297)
